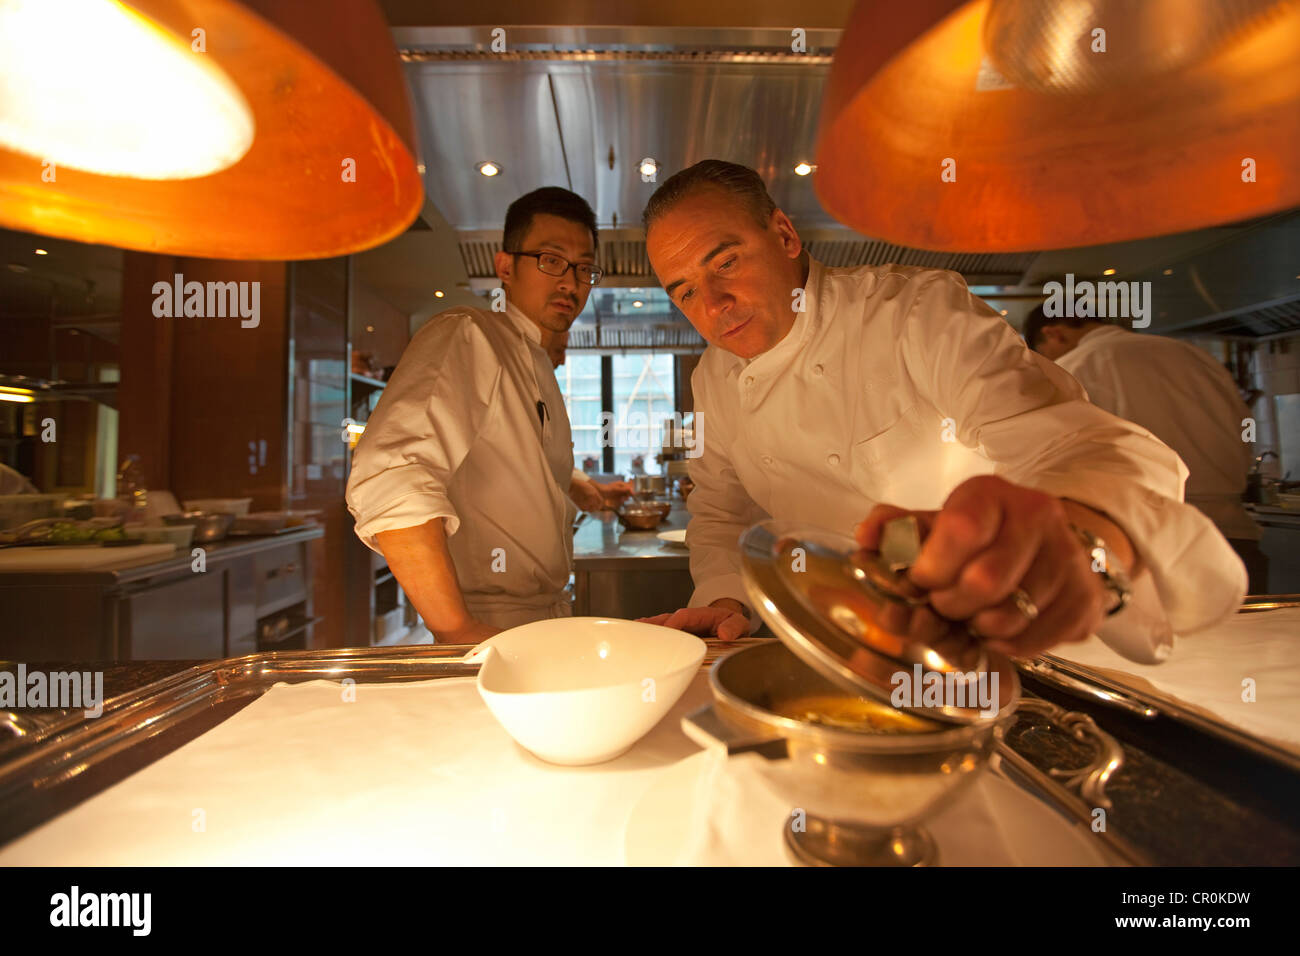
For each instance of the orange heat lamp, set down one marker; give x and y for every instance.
(1021, 125)
(261, 129)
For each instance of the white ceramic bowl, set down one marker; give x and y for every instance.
(583, 690)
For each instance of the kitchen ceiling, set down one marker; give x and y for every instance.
(677, 88)
(581, 107)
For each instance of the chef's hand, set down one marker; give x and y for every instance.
(614, 492)
(992, 537)
(586, 495)
(724, 619)
(474, 632)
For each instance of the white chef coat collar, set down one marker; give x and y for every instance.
(1093, 337)
(530, 329)
(783, 353)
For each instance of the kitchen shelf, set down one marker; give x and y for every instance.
(365, 381)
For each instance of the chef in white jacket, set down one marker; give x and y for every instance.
(845, 397)
(461, 478)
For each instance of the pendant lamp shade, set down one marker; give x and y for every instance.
(1015, 125)
(264, 129)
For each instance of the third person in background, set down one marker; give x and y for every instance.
(1179, 393)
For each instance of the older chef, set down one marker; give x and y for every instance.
(461, 479)
(894, 388)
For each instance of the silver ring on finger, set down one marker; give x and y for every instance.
(1024, 605)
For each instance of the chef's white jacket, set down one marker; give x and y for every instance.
(895, 385)
(1184, 397)
(472, 428)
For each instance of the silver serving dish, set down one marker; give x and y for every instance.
(864, 794)
(849, 626)
(208, 526)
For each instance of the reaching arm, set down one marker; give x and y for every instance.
(1118, 481)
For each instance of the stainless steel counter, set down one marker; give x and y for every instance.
(602, 544)
(624, 573)
(178, 565)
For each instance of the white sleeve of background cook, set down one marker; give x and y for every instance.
(1033, 421)
(720, 511)
(432, 409)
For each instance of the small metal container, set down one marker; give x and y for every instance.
(643, 515)
(208, 526)
(849, 628)
(649, 486)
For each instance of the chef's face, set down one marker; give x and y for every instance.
(553, 302)
(732, 278)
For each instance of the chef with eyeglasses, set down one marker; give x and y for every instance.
(461, 479)
(842, 398)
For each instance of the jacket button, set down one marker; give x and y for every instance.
(767, 459)
(833, 458)
(818, 369)
(749, 380)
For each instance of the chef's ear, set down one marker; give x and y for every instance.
(504, 265)
(787, 233)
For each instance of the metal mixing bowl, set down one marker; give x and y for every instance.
(643, 515)
(865, 793)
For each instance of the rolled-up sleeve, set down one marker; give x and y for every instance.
(1033, 421)
(437, 401)
(720, 510)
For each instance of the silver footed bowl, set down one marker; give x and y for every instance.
(865, 793)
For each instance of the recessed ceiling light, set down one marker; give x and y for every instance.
(803, 169)
(1108, 272)
(438, 293)
(488, 168)
(41, 252)
(1004, 311)
(637, 304)
(420, 168)
(370, 328)
(649, 167)
(1169, 272)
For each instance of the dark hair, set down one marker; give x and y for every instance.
(551, 201)
(740, 181)
(1036, 319)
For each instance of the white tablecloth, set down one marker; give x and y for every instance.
(421, 773)
(1208, 671)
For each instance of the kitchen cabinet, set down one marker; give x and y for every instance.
(1281, 542)
(624, 573)
(177, 619)
(255, 594)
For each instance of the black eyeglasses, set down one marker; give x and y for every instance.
(553, 265)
